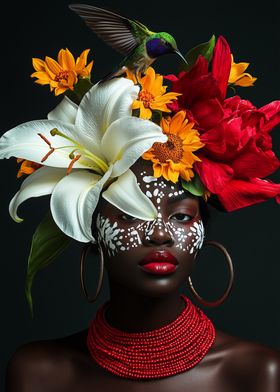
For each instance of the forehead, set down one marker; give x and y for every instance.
(157, 187)
(161, 192)
(166, 195)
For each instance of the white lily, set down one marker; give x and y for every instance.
(101, 136)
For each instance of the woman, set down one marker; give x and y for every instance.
(144, 300)
(142, 162)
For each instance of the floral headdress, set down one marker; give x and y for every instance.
(194, 130)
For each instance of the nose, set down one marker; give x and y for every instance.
(158, 233)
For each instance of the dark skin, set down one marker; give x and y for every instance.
(143, 302)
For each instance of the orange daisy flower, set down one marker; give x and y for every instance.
(27, 167)
(153, 94)
(237, 75)
(62, 74)
(175, 157)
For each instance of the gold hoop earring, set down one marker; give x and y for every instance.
(82, 273)
(220, 300)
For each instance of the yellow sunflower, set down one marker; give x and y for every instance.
(62, 74)
(153, 94)
(237, 75)
(175, 157)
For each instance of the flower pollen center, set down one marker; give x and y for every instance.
(62, 76)
(172, 149)
(146, 97)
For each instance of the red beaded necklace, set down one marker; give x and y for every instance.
(163, 352)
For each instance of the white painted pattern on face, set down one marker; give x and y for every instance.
(182, 235)
(117, 240)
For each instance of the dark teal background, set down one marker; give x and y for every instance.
(250, 235)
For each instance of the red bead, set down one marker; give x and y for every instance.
(163, 352)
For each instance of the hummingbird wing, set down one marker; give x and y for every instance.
(121, 33)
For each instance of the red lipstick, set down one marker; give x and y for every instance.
(159, 263)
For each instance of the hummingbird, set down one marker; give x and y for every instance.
(140, 46)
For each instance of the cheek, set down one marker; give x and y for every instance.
(116, 239)
(188, 239)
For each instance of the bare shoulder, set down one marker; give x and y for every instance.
(50, 363)
(252, 364)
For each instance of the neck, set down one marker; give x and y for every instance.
(144, 350)
(133, 312)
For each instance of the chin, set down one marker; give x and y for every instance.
(155, 286)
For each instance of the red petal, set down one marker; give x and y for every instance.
(235, 103)
(225, 140)
(214, 175)
(171, 77)
(238, 194)
(207, 113)
(199, 69)
(195, 84)
(272, 114)
(221, 64)
(253, 162)
(174, 106)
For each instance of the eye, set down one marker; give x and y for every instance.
(180, 217)
(128, 217)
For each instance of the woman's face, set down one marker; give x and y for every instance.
(151, 257)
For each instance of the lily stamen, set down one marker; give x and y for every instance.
(45, 139)
(86, 153)
(55, 131)
(71, 155)
(70, 167)
(50, 146)
(48, 154)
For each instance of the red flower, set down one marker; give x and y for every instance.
(238, 149)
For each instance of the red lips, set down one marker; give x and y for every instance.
(159, 263)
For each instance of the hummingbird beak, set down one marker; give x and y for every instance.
(182, 57)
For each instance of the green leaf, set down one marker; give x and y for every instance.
(136, 112)
(157, 116)
(48, 242)
(80, 89)
(205, 49)
(195, 186)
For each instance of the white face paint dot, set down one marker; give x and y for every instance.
(149, 179)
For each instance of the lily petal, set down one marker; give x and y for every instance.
(101, 105)
(73, 202)
(121, 104)
(24, 142)
(65, 111)
(127, 139)
(126, 195)
(39, 183)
